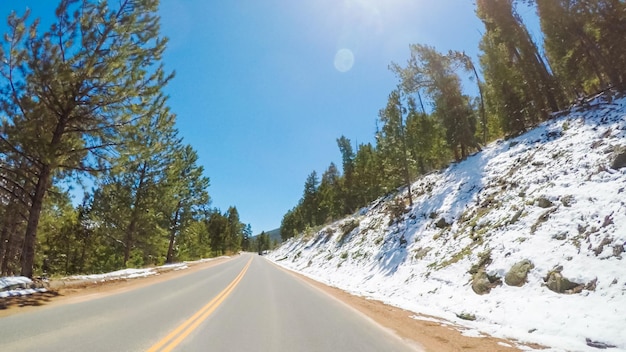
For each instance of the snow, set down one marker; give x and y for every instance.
(21, 286)
(411, 263)
(17, 286)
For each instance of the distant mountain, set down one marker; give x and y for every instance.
(526, 239)
(274, 235)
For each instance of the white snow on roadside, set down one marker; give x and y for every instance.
(17, 286)
(491, 203)
(20, 285)
(115, 275)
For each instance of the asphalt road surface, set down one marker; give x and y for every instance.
(244, 304)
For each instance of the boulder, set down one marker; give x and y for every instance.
(480, 283)
(518, 273)
(544, 202)
(441, 223)
(619, 160)
(483, 283)
(556, 282)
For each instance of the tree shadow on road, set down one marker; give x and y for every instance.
(34, 300)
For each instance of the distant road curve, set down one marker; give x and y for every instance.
(244, 304)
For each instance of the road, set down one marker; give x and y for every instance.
(244, 304)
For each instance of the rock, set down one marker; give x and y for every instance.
(556, 282)
(598, 344)
(619, 160)
(441, 223)
(567, 200)
(618, 249)
(466, 316)
(516, 216)
(518, 273)
(605, 241)
(544, 202)
(591, 285)
(483, 283)
(480, 283)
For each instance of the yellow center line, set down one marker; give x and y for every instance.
(182, 331)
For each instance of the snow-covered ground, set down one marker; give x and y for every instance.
(17, 286)
(22, 286)
(549, 196)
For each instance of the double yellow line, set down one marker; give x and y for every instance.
(175, 337)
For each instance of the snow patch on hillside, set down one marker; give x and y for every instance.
(549, 196)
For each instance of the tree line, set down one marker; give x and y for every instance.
(520, 84)
(82, 106)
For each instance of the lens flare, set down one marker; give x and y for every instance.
(344, 60)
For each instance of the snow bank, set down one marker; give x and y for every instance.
(17, 286)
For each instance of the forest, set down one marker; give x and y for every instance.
(430, 121)
(83, 112)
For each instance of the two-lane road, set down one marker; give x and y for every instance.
(244, 304)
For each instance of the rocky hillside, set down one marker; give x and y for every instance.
(524, 240)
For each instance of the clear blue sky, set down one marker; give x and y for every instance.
(258, 92)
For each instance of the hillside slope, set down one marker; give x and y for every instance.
(552, 201)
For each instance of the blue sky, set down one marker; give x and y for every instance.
(258, 94)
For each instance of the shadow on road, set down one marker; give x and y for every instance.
(36, 299)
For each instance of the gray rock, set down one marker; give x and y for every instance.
(619, 160)
(598, 344)
(544, 202)
(556, 282)
(482, 283)
(518, 273)
(441, 223)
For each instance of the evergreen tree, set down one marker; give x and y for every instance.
(234, 231)
(73, 88)
(434, 72)
(330, 206)
(580, 38)
(508, 36)
(368, 174)
(187, 195)
(217, 226)
(391, 141)
(310, 200)
(246, 240)
(348, 185)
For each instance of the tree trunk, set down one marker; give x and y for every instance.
(4, 241)
(28, 251)
(128, 241)
(174, 229)
(130, 231)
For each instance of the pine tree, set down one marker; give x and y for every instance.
(348, 185)
(392, 143)
(92, 73)
(187, 195)
(330, 206)
(234, 230)
(310, 200)
(581, 41)
(507, 32)
(429, 70)
(368, 174)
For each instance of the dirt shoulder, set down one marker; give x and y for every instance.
(431, 336)
(64, 292)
